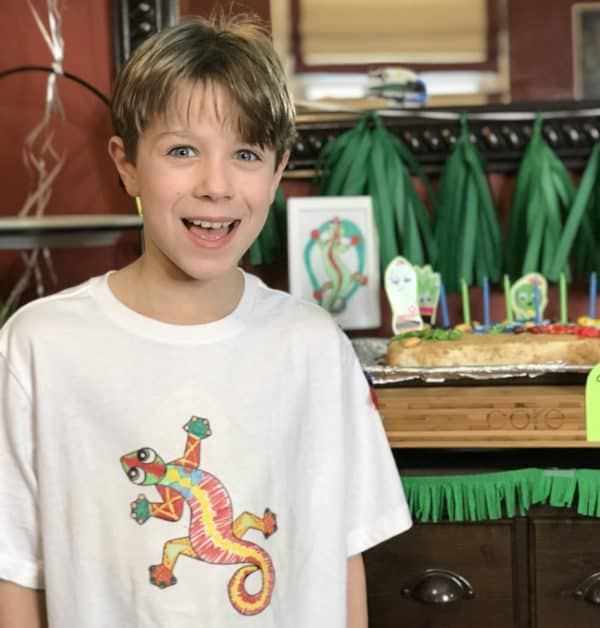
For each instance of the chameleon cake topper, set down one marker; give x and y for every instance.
(428, 291)
(522, 296)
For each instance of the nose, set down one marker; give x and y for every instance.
(214, 180)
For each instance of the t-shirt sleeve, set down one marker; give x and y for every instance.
(20, 546)
(375, 505)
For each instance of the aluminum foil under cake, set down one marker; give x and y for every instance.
(372, 351)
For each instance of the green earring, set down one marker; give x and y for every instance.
(138, 204)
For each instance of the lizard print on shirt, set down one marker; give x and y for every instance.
(214, 536)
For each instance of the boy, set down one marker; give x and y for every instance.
(240, 413)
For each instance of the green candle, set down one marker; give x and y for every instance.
(563, 299)
(509, 312)
(465, 302)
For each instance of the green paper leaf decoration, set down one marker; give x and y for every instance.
(369, 160)
(467, 232)
(543, 196)
(272, 240)
(581, 232)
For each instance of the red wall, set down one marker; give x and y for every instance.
(87, 182)
(205, 7)
(540, 49)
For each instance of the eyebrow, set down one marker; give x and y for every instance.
(181, 132)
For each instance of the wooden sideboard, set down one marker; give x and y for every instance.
(541, 570)
(484, 416)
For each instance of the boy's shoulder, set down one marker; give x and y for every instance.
(293, 320)
(58, 309)
(282, 305)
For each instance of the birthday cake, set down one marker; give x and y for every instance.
(569, 344)
(524, 338)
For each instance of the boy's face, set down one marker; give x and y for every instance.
(205, 192)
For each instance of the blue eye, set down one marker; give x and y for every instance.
(181, 151)
(247, 155)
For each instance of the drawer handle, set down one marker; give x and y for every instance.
(589, 590)
(439, 586)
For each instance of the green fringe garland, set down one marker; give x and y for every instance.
(467, 232)
(582, 227)
(271, 243)
(369, 160)
(543, 196)
(489, 496)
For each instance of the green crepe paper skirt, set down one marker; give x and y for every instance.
(487, 496)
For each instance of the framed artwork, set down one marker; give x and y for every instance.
(586, 49)
(333, 257)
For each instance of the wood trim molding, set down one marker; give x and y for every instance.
(501, 132)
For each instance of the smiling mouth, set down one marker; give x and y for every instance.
(209, 230)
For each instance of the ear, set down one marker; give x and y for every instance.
(127, 170)
(279, 173)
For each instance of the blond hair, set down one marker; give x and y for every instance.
(234, 53)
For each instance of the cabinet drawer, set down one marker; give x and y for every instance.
(482, 555)
(566, 553)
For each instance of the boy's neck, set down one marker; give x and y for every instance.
(176, 300)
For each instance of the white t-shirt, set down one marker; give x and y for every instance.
(96, 398)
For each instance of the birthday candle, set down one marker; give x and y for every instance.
(486, 302)
(593, 296)
(465, 302)
(536, 301)
(444, 307)
(509, 313)
(562, 286)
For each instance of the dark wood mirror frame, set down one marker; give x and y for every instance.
(134, 20)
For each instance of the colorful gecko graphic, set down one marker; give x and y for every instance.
(214, 537)
(334, 238)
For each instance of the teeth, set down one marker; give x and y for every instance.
(210, 225)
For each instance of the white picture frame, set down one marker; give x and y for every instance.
(344, 279)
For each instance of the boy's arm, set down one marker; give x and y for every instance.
(21, 607)
(356, 593)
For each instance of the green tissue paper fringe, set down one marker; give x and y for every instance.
(489, 496)
(271, 243)
(369, 160)
(543, 195)
(582, 227)
(467, 231)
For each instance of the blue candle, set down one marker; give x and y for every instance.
(536, 301)
(486, 302)
(444, 307)
(593, 296)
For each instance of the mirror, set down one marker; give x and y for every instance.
(456, 48)
(497, 52)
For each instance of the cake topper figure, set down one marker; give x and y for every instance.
(401, 290)
(428, 291)
(529, 297)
